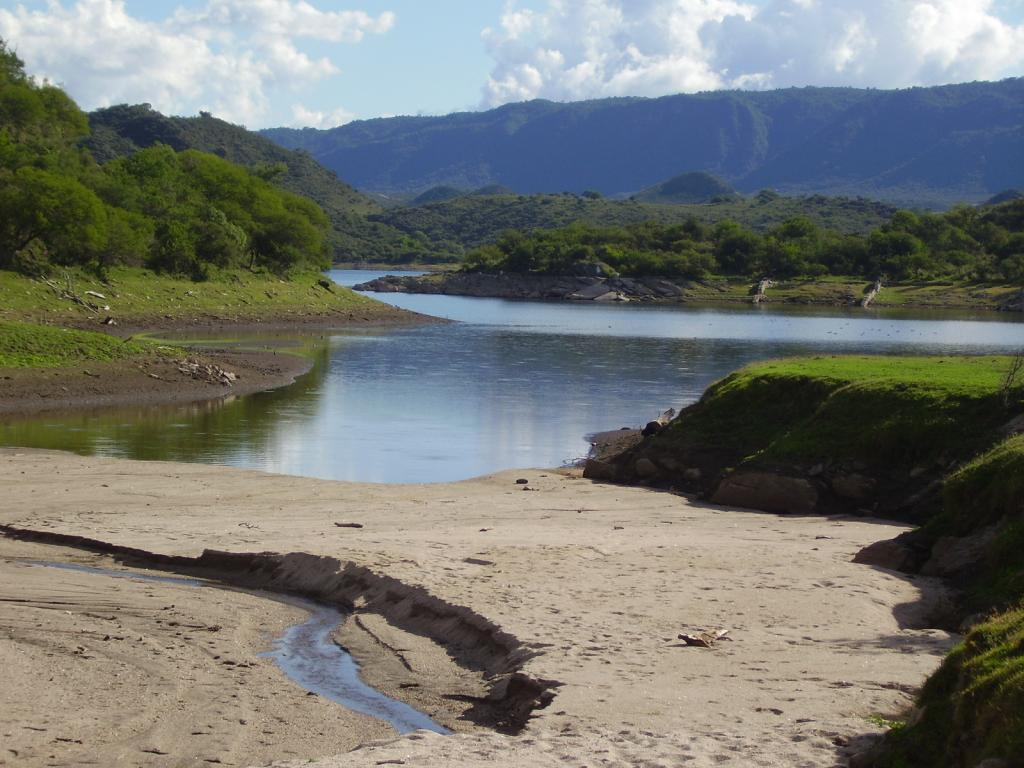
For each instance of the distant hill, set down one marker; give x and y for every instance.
(437, 195)
(918, 146)
(123, 130)
(687, 188)
(468, 221)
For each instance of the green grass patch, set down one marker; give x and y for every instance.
(136, 295)
(887, 412)
(24, 345)
(973, 707)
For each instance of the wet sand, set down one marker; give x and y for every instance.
(595, 582)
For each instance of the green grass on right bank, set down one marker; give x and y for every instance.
(889, 413)
(972, 709)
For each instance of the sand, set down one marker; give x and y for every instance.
(596, 581)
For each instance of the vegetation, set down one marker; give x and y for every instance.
(124, 130)
(26, 345)
(928, 147)
(180, 213)
(966, 244)
(888, 414)
(136, 296)
(687, 188)
(472, 220)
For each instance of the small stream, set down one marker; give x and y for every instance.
(306, 653)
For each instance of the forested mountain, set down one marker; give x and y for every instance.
(122, 130)
(918, 146)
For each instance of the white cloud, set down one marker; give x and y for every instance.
(594, 48)
(303, 117)
(226, 57)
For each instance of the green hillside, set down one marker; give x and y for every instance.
(122, 130)
(465, 222)
(687, 188)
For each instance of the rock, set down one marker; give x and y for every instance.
(891, 554)
(591, 292)
(1013, 427)
(993, 762)
(522, 481)
(651, 428)
(853, 486)
(953, 555)
(767, 491)
(595, 469)
(667, 462)
(816, 470)
(644, 467)
(693, 474)
(916, 472)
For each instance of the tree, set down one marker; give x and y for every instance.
(58, 211)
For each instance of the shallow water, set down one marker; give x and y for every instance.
(511, 385)
(306, 653)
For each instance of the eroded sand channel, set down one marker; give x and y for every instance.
(596, 581)
(306, 652)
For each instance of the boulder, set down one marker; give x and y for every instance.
(692, 475)
(891, 554)
(595, 469)
(853, 486)
(767, 491)
(651, 428)
(590, 292)
(953, 555)
(645, 468)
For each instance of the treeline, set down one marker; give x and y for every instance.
(968, 244)
(173, 212)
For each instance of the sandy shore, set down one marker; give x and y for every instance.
(595, 582)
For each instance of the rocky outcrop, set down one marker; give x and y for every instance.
(767, 491)
(526, 286)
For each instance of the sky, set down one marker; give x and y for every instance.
(321, 63)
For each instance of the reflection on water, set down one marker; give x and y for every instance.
(516, 384)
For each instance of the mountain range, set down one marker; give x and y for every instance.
(930, 146)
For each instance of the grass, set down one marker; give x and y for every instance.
(135, 295)
(847, 291)
(25, 345)
(972, 709)
(890, 413)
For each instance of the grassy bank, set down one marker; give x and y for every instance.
(898, 420)
(925, 439)
(847, 291)
(138, 297)
(27, 345)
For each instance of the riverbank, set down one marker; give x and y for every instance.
(585, 586)
(934, 441)
(43, 368)
(831, 292)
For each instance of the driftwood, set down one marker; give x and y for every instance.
(871, 294)
(67, 292)
(762, 290)
(208, 372)
(705, 639)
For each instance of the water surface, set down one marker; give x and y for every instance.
(510, 385)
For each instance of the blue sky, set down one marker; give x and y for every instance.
(323, 62)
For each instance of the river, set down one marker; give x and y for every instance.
(510, 385)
